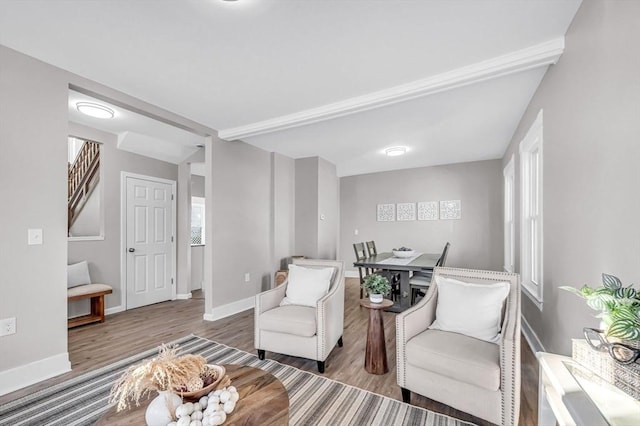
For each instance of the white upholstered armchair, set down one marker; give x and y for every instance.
(307, 324)
(477, 375)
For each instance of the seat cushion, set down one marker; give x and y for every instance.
(290, 319)
(88, 289)
(456, 356)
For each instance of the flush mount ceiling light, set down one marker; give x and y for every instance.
(95, 110)
(394, 151)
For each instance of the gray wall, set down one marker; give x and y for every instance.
(476, 238)
(197, 186)
(317, 190)
(328, 214)
(241, 201)
(283, 208)
(591, 103)
(306, 207)
(104, 256)
(33, 140)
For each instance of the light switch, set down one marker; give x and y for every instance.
(34, 237)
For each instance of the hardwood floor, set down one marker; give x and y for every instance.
(131, 332)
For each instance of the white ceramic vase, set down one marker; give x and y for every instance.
(161, 410)
(375, 298)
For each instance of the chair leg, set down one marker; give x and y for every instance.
(406, 395)
(261, 354)
(321, 367)
(340, 342)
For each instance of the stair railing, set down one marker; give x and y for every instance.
(83, 176)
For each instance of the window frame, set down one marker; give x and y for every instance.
(509, 175)
(199, 202)
(531, 212)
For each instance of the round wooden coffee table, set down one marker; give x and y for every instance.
(263, 400)
(375, 358)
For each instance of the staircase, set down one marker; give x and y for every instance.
(83, 177)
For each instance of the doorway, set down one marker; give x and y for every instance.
(149, 249)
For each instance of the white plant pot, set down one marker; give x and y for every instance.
(161, 410)
(375, 298)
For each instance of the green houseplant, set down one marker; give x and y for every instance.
(376, 286)
(619, 306)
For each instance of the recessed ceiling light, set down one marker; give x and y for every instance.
(95, 110)
(394, 151)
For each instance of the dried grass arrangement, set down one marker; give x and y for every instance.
(166, 372)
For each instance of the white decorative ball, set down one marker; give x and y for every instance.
(204, 401)
(196, 415)
(232, 389)
(214, 400)
(234, 397)
(195, 423)
(217, 419)
(229, 406)
(224, 396)
(189, 406)
(184, 421)
(197, 406)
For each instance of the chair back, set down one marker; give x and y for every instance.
(360, 251)
(443, 257)
(371, 248)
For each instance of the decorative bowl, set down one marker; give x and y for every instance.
(196, 395)
(403, 253)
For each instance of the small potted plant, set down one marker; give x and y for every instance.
(377, 286)
(619, 307)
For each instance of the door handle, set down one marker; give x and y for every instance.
(131, 250)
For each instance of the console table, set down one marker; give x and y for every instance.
(571, 395)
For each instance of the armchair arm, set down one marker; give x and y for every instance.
(409, 324)
(330, 318)
(510, 359)
(271, 298)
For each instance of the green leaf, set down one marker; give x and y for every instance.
(611, 282)
(624, 329)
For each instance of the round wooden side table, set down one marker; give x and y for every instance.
(263, 400)
(375, 358)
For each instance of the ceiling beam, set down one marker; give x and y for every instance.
(540, 55)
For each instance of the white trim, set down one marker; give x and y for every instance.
(114, 310)
(219, 312)
(532, 338)
(33, 372)
(509, 182)
(94, 238)
(531, 212)
(184, 296)
(351, 274)
(123, 231)
(540, 55)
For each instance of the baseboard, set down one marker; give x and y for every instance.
(114, 310)
(351, 274)
(183, 296)
(532, 338)
(219, 312)
(34, 372)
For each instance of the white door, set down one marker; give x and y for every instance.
(149, 241)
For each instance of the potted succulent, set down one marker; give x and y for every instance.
(377, 286)
(619, 307)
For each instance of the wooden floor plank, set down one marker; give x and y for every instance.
(128, 333)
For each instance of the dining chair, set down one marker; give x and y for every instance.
(420, 281)
(361, 254)
(394, 278)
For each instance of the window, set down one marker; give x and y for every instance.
(531, 212)
(509, 174)
(197, 221)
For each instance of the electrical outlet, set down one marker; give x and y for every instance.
(247, 277)
(7, 326)
(355, 232)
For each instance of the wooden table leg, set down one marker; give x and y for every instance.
(375, 359)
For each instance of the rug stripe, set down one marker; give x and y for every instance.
(313, 399)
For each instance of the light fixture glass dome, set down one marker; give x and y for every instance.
(394, 151)
(95, 110)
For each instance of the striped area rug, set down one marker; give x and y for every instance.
(313, 400)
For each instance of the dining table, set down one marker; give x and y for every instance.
(391, 265)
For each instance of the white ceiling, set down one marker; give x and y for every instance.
(338, 79)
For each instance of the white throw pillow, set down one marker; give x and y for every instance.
(307, 285)
(474, 310)
(78, 274)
